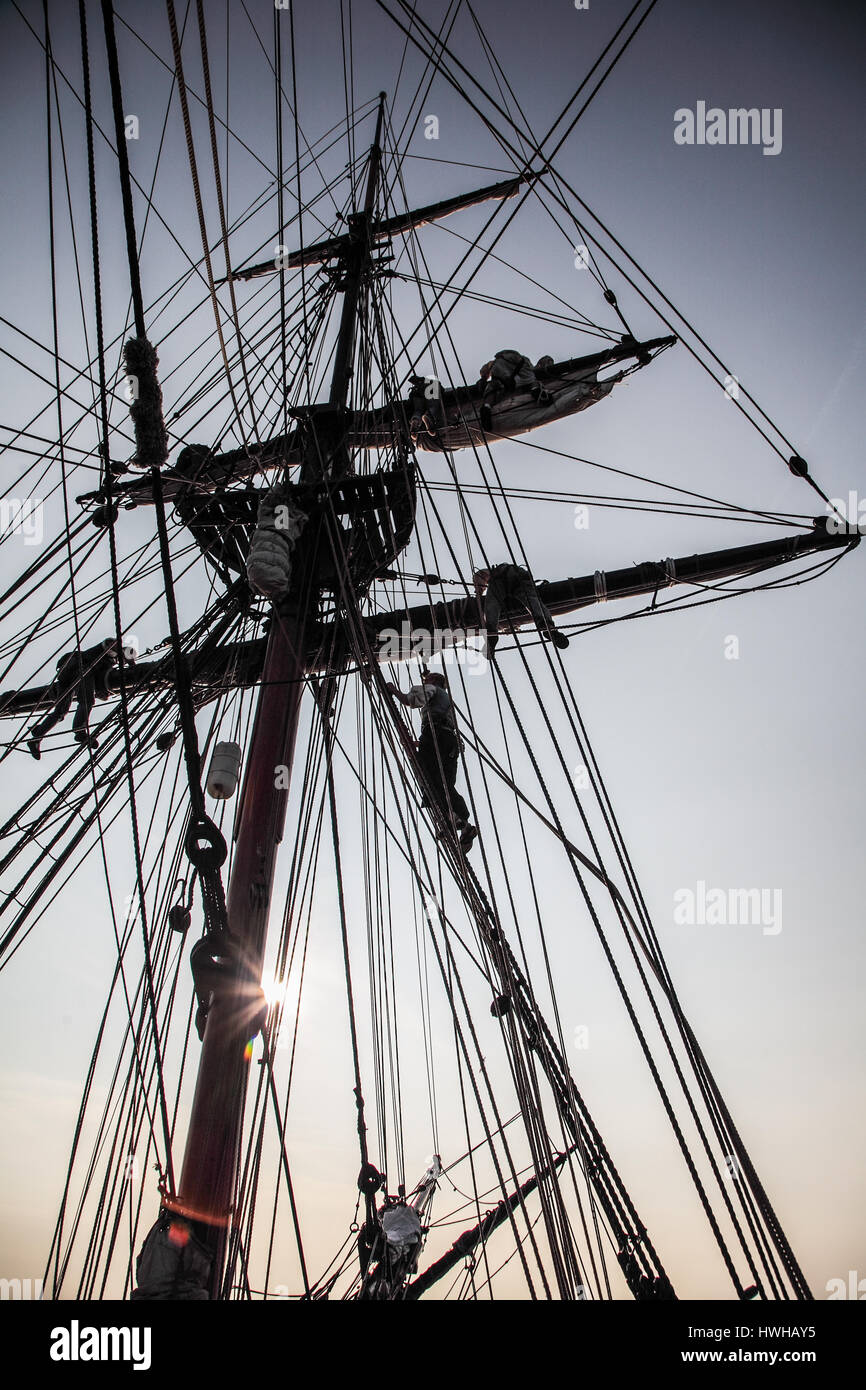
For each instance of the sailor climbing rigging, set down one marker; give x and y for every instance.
(81, 675)
(507, 587)
(439, 748)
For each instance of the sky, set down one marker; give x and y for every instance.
(735, 772)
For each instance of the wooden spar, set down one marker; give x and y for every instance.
(322, 251)
(210, 1162)
(569, 595)
(246, 659)
(464, 1246)
(379, 428)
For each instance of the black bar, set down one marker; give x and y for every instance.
(461, 615)
(331, 247)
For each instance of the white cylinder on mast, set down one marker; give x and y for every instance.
(224, 770)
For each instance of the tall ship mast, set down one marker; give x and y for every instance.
(304, 677)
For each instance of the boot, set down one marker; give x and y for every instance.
(467, 835)
(559, 639)
(33, 745)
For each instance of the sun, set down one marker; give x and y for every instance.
(273, 989)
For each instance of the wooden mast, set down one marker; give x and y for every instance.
(213, 1141)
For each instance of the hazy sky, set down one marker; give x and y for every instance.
(736, 773)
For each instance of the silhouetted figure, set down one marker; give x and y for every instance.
(509, 371)
(81, 676)
(509, 587)
(439, 748)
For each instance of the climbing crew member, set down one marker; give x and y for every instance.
(439, 748)
(508, 587)
(81, 675)
(509, 371)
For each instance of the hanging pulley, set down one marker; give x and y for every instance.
(370, 1180)
(104, 516)
(179, 914)
(179, 917)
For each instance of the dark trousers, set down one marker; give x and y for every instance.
(84, 690)
(442, 747)
(521, 594)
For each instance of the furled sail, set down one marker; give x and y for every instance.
(518, 413)
(569, 387)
